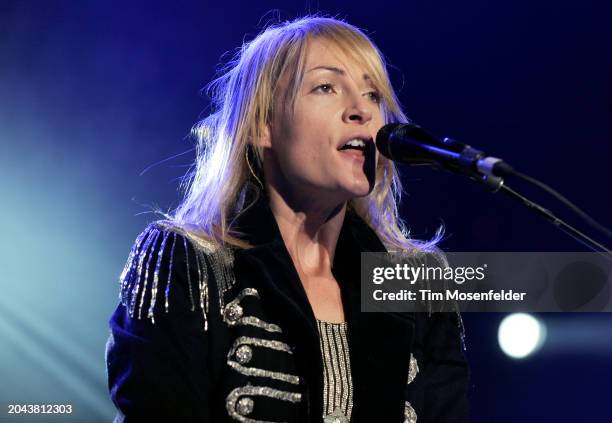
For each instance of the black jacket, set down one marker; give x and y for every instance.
(187, 307)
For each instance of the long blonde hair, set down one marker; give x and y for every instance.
(242, 99)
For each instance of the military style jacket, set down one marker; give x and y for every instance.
(204, 333)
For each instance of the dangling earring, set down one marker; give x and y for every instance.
(247, 152)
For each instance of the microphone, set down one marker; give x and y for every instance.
(410, 144)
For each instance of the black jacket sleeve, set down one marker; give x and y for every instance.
(440, 389)
(156, 355)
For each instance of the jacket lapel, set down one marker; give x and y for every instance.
(379, 343)
(269, 268)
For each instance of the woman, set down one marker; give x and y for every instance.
(245, 304)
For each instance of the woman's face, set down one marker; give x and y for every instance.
(336, 104)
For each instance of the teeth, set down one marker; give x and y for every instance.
(356, 143)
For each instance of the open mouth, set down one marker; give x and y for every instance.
(357, 147)
(362, 152)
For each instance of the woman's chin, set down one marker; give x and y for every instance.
(361, 188)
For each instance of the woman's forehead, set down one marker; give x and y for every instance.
(326, 55)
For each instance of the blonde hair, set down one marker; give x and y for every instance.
(242, 99)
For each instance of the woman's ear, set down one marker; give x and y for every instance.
(263, 139)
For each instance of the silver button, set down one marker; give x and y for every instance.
(232, 313)
(336, 417)
(245, 406)
(410, 416)
(244, 353)
(413, 369)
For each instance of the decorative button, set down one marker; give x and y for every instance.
(410, 416)
(244, 353)
(336, 417)
(413, 369)
(233, 312)
(245, 406)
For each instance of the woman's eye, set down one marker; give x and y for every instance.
(374, 96)
(325, 88)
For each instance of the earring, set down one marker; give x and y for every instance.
(248, 162)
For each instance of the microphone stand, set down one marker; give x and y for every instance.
(496, 183)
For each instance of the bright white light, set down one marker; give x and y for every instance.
(520, 335)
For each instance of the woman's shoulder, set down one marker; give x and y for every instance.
(189, 234)
(169, 269)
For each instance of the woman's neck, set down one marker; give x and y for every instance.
(310, 232)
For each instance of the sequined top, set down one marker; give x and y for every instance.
(337, 382)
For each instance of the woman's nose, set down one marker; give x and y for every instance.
(358, 112)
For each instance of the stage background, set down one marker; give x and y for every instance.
(94, 93)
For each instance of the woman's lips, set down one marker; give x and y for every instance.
(354, 154)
